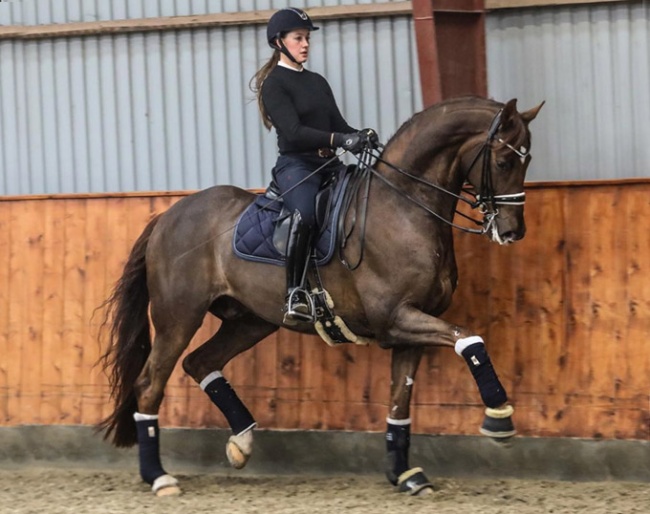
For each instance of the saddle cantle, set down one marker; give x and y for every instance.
(262, 229)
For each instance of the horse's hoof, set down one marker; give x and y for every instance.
(498, 425)
(239, 448)
(173, 490)
(236, 457)
(165, 485)
(502, 442)
(414, 482)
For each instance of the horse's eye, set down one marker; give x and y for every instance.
(504, 165)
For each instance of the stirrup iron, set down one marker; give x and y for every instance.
(295, 299)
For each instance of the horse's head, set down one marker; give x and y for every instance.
(498, 171)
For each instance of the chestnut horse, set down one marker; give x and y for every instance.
(182, 267)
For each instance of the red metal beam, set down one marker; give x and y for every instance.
(425, 37)
(450, 36)
(458, 5)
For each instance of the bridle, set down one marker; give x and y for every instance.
(486, 201)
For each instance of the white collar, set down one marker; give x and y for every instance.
(285, 65)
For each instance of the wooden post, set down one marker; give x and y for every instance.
(450, 36)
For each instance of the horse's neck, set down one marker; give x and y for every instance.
(429, 150)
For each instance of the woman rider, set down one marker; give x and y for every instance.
(300, 105)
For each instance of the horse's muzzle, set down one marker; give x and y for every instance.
(507, 230)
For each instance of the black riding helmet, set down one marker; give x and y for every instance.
(286, 20)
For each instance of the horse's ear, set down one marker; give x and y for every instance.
(508, 114)
(531, 114)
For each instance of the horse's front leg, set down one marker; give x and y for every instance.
(404, 365)
(413, 327)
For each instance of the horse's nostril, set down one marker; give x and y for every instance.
(511, 235)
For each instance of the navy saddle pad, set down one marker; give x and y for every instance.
(253, 238)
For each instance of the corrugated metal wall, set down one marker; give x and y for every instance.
(592, 65)
(172, 110)
(41, 12)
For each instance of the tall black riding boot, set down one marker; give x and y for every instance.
(298, 307)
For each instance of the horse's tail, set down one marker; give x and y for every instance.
(127, 318)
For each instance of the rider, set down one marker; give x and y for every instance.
(300, 105)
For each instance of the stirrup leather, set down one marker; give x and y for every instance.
(300, 307)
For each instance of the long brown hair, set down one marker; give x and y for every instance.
(255, 84)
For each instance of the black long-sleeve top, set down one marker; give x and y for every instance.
(302, 109)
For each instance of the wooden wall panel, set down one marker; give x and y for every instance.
(6, 364)
(53, 295)
(632, 388)
(565, 314)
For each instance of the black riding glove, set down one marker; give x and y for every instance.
(354, 142)
(373, 137)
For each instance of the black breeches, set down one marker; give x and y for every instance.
(291, 171)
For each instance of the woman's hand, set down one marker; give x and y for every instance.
(356, 141)
(373, 137)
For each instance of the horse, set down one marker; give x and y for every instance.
(182, 267)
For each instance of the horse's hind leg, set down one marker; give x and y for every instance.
(173, 335)
(404, 364)
(205, 365)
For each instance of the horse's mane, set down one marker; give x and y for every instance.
(453, 104)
